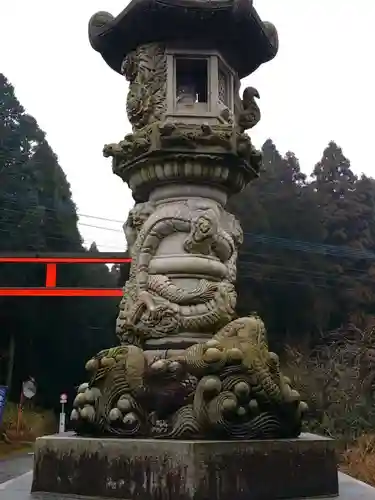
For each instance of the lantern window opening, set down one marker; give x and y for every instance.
(192, 80)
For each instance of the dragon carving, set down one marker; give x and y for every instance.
(153, 306)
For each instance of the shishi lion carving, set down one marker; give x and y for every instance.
(230, 387)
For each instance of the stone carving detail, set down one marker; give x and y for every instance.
(154, 306)
(247, 110)
(202, 234)
(132, 146)
(178, 134)
(136, 218)
(229, 387)
(146, 70)
(193, 151)
(183, 271)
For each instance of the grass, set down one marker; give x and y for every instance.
(337, 380)
(34, 423)
(359, 460)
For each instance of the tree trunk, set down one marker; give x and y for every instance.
(11, 354)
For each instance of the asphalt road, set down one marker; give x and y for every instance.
(15, 466)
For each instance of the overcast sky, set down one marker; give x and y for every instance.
(319, 87)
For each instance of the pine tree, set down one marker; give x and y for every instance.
(335, 182)
(58, 212)
(346, 223)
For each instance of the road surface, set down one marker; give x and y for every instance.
(15, 466)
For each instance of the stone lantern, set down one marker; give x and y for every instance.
(199, 383)
(187, 153)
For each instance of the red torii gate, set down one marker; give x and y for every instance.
(51, 261)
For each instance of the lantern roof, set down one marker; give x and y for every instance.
(230, 26)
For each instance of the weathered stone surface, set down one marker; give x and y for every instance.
(187, 20)
(183, 470)
(187, 153)
(19, 488)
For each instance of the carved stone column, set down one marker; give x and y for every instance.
(182, 240)
(181, 288)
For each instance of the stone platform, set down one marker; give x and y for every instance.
(148, 469)
(19, 489)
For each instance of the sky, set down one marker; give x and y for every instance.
(320, 87)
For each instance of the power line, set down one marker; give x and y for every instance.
(300, 273)
(248, 265)
(243, 262)
(305, 246)
(334, 280)
(42, 237)
(322, 248)
(55, 210)
(289, 244)
(100, 218)
(286, 268)
(100, 227)
(50, 218)
(299, 283)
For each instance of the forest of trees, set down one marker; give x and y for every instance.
(47, 338)
(306, 265)
(307, 262)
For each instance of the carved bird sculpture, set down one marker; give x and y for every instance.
(250, 114)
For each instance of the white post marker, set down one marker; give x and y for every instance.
(63, 401)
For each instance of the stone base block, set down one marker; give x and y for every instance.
(148, 469)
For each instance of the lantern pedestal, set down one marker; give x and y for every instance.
(150, 469)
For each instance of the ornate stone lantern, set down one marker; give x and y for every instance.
(186, 154)
(186, 368)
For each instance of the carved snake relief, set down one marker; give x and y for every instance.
(209, 305)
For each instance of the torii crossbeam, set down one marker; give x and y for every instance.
(51, 261)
